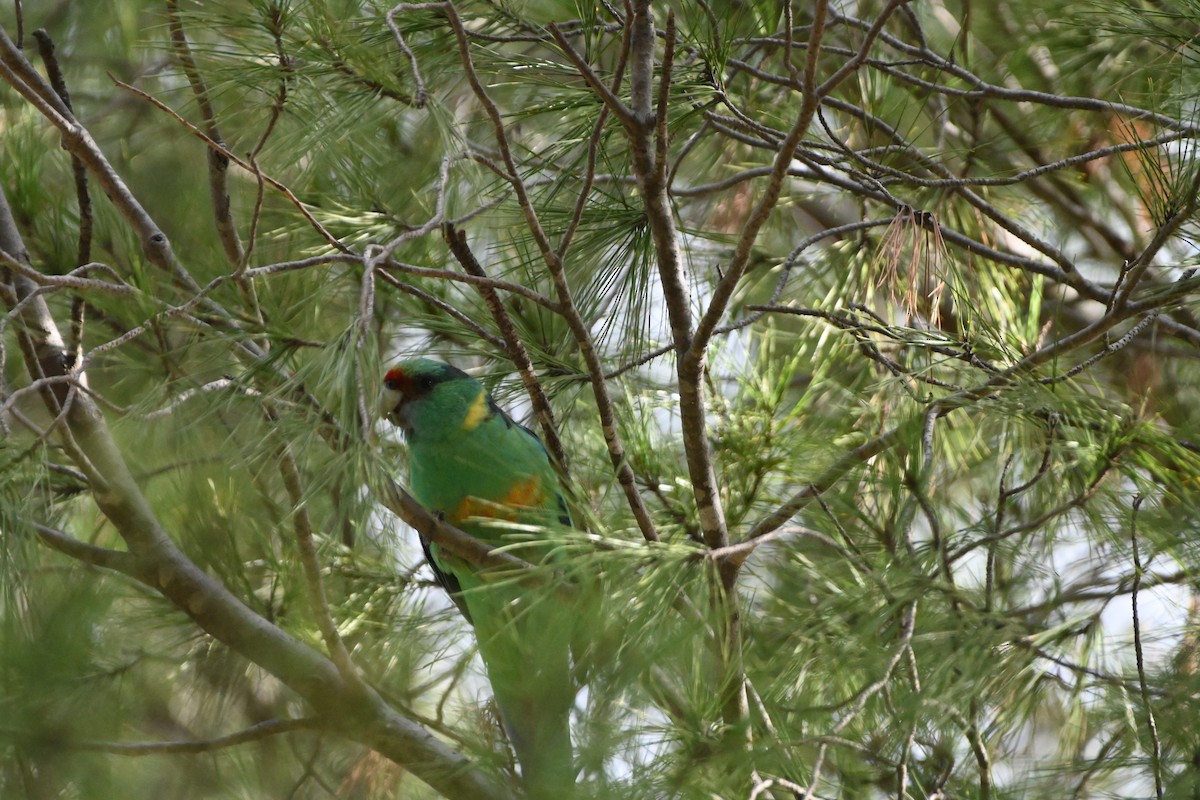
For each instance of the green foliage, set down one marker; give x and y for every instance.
(958, 355)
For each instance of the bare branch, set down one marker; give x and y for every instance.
(302, 527)
(257, 732)
(794, 504)
(446, 308)
(454, 541)
(513, 346)
(88, 553)
(421, 95)
(218, 163)
(613, 103)
(1155, 745)
(82, 193)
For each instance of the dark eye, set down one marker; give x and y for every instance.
(425, 383)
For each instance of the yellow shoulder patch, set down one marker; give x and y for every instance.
(477, 413)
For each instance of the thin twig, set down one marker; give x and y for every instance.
(613, 103)
(218, 163)
(758, 215)
(220, 148)
(793, 505)
(421, 94)
(86, 553)
(286, 69)
(858, 701)
(254, 733)
(514, 347)
(1155, 745)
(83, 195)
(589, 175)
(302, 527)
(445, 307)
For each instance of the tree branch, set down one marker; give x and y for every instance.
(218, 163)
(254, 733)
(302, 527)
(513, 346)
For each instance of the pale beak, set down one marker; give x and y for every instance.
(389, 406)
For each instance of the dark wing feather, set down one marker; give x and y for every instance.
(446, 580)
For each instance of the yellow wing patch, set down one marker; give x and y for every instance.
(477, 413)
(523, 495)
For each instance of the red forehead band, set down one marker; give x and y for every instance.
(396, 376)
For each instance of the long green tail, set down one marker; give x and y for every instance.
(524, 639)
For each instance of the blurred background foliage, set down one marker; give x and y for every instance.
(949, 616)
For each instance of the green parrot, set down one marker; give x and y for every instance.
(470, 463)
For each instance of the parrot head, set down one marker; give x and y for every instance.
(426, 398)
